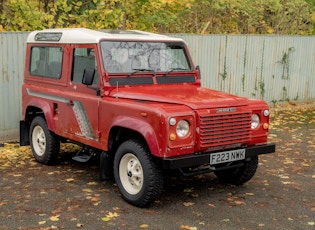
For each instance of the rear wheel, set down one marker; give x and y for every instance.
(238, 176)
(44, 143)
(137, 174)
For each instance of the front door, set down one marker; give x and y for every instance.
(81, 112)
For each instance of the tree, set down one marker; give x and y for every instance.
(163, 16)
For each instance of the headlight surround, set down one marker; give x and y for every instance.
(255, 121)
(182, 128)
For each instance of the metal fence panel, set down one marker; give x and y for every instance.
(12, 46)
(273, 68)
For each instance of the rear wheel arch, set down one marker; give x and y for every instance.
(43, 110)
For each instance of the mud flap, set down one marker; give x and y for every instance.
(24, 133)
(106, 166)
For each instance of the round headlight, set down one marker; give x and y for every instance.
(255, 121)
(182, 128)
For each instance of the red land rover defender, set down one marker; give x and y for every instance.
(135, 99)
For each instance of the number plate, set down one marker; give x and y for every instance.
(227, 156)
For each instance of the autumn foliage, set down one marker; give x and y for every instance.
(163, 16)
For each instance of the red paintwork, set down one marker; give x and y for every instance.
(144, 109)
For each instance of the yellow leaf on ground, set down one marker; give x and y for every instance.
(92, 183)
(106, 219)
(87, 190)
(69, 179)
(144, 226)
(109, 216)
(54, 218)
(188, 227)
(112, 214)
(286, 182)
(42, 222)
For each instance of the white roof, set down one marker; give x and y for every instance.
(88, 36)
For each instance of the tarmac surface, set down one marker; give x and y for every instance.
(70, 196)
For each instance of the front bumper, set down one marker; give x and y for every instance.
(204, 159)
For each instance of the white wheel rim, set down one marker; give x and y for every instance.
(131, 173)
(39, 140)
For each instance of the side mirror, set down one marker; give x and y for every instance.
(88, 76)
(198, 69)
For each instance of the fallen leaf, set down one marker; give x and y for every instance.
(69, 179)
(250, 194)
(106, 219)
(286, 182)
(238, 202)
(54, 218)
(187, 204)
(189, 190)
(311, 223)
(188, 227)
(42, 222)
(112, 214)
(92, 183)
(87, 190)
(144, 226)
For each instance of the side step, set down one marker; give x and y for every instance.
(83, 155)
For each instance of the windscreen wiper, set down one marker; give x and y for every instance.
(175, 69)
(142, 70)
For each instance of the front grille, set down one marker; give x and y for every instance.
(223, 129)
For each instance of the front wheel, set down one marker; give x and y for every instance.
(44, 143)
(239, 175)
(137, 174)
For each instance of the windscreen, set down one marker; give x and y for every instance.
(131, 57)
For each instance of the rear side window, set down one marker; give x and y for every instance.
(46, 61)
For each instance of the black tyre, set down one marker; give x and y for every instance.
(238, 176)
(44, 143)
(137, 174)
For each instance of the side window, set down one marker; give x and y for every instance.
(83, 58)
(46, 61)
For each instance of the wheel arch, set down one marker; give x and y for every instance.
(125, 128)
(40, 108)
